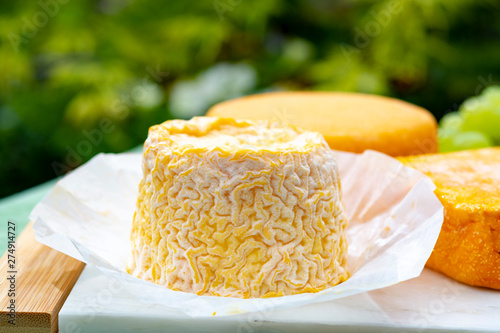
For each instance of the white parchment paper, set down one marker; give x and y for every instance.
(394, 221)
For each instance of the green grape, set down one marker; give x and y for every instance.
(492, 94)
(480, 115)
(452, 121)
(445, 139)
(464, 140)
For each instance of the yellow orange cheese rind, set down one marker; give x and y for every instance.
(351, 122)
(468, 186)
(237, 208)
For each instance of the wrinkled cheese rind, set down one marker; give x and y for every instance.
(237, 208)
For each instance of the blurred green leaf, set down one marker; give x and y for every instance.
(116, 67)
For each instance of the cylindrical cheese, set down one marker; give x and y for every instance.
(238, 208)
(349, 121)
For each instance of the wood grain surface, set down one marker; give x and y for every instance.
(43, 280)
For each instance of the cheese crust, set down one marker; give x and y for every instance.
(468, 186)
(238, 208)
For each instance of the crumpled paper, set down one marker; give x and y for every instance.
(394, 221)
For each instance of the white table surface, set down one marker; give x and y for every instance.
(429, 303)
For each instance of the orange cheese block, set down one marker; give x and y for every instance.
(349, 121)
(468, 185)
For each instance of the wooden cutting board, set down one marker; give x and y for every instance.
(43, 280)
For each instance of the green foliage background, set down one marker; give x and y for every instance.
(67, 65)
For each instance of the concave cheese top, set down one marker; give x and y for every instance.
(231, 136)
(348, 121)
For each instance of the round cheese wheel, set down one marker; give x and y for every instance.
(349, 121)
(238, 208)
